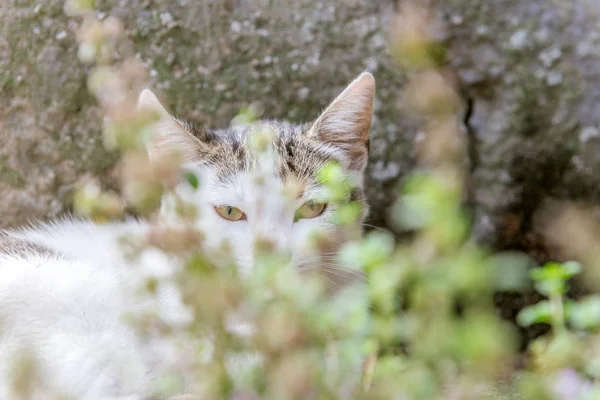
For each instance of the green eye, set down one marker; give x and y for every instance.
(230, 213)
(310, 209)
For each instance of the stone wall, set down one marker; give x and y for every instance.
(529, 70)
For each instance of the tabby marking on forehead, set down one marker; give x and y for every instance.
(298, 157)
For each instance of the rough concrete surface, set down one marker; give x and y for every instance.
(529, 68)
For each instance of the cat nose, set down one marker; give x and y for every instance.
(272, 240)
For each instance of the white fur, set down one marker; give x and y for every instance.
(67, 309)
(66, 313)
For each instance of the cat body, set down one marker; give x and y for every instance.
(62, 303)
(65, 286)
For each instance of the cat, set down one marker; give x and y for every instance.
(65, 284)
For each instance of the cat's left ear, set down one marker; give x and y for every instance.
(345, 124)
(169, 135)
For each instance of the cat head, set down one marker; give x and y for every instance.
(247, 195)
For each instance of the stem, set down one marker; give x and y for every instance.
(558, 314)
(369, 370)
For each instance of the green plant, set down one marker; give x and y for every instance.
(421, 325)
(551, 281)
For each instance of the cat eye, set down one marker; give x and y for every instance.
(310, 209)
(230, 213)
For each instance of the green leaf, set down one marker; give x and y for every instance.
(551, 279)
(537, 313)
(554, 270)
(192, 179)
(347, 214)
(586, 313)
(510, 271)
(571, 268)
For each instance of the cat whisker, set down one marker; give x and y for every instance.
(345, 274)
(334, 265)
(316, 273)
(335, 269)
(321, 256)
(378, 228)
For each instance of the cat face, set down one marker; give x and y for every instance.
(259, 183)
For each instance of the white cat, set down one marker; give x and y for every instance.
(65, 285)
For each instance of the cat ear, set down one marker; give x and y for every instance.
(168, 134)
(346, 122)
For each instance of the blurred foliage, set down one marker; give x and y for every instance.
(420, 325)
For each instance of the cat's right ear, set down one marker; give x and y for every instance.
(346, 122)
(168, 134)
